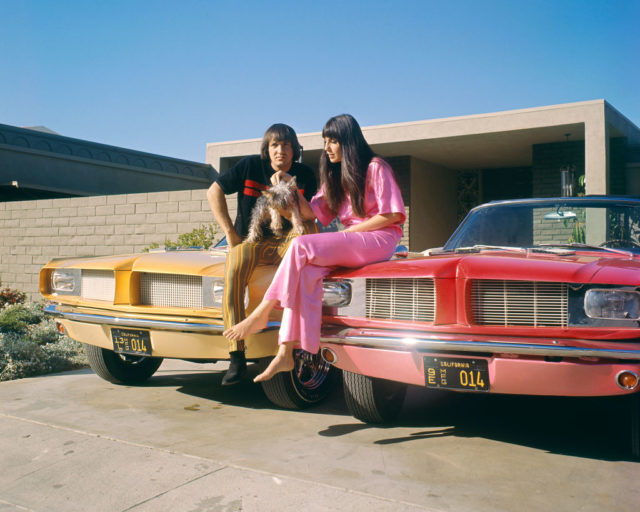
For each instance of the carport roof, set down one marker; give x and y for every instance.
(493, 140)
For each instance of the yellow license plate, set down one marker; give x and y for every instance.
(456, 373)
(131, 341)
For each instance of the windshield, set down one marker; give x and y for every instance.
(606, 224)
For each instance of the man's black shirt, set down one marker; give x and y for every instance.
(250, 176)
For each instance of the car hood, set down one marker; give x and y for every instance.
(164, 262)
(524, 266)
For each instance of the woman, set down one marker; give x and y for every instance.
(360, 189)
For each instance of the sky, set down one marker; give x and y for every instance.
(168, 77)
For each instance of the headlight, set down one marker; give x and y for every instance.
(612, 304)
(336, 294)
(66, 281)
(213, 290)
(217, 289)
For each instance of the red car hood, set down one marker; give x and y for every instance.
(605, 268)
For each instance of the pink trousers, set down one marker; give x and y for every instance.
(297, 284)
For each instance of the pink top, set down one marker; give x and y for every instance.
(382, 195)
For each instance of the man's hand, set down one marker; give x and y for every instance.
(233, 238)
(279, 176)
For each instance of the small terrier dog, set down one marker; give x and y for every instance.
(282, 196)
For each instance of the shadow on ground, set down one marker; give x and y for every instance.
(595, 428)
(206, 384)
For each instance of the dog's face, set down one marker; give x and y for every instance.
(281, 195)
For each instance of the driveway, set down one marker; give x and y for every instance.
(72, 442)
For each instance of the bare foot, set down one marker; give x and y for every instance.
(283, 362)
(255, 322)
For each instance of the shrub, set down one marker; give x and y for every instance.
(16, 318)
(204, 236)
(30, 344)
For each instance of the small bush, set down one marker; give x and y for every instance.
(31, 345)
(16, 318)
(205, 236)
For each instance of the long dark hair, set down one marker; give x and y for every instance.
(349, 175)
(280, 132)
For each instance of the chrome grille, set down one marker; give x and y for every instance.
(171, 290)
(536, 304)
(98, 285)
(410, 299)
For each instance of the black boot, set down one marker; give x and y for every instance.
(237, 368)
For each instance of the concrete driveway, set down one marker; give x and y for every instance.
(182, 443)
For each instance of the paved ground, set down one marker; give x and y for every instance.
(75, 442)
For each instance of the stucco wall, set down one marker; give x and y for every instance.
(33, 232)
(433, 205)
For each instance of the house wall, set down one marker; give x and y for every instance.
(433, 205)
(34, 232)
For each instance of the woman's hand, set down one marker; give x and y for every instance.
(379, 221)
(279, 176)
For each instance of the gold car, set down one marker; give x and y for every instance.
(132, 311)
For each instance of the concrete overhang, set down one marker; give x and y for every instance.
(494, 140)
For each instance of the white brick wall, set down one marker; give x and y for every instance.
(34, 232)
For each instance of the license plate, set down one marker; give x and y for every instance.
(456, 373)
(131, 341)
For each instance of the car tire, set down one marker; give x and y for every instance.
(121, 368)
(635, 425)
(373, 400)
(307, 384)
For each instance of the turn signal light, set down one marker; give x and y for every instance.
(329, 355)
(627, 380)
(60, 328)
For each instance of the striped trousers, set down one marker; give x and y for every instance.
(241, 262)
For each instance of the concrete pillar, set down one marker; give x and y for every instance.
(596, 154)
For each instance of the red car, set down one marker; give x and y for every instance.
(528, 297)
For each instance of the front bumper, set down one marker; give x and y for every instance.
(179, 339)
(406, 341)
(527, 366)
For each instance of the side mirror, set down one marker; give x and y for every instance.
(401, 251)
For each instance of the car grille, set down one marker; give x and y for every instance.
(496, 302)
(410, 299)
(171, 290)
(98, 285)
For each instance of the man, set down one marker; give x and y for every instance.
(279, 153)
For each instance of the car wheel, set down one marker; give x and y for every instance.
(373, 400)
(311, 380)
(635, 425)
(121, 368)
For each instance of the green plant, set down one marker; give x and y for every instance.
(31, 345)
(582, 183)
(578, 233)
(204, 236)
(17, 317)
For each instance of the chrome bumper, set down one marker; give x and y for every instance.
(416, 342)
(159, 325)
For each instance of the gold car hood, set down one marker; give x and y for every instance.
(164, 262)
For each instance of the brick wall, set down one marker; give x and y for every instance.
(548, 159)
(33, 232)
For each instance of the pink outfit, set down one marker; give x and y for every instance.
(297, 284)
